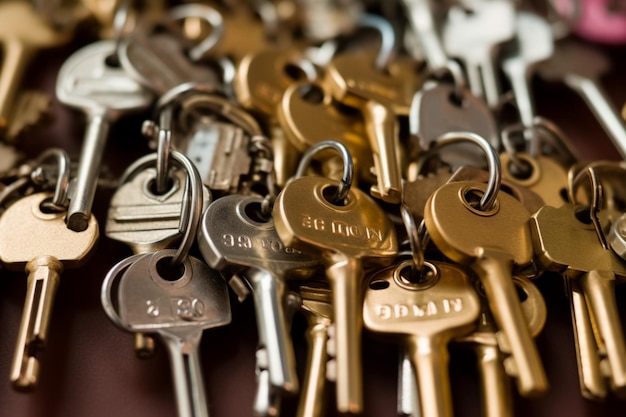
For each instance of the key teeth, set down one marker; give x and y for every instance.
(29, 376)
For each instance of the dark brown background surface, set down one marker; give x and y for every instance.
(89, 368)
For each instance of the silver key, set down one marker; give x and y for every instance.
(474, 38)
(103, 92)
(422, 22)
(535, 44)
(142, 219)
(434, 113)
(178, 305)
(234, 236)
(580, 67)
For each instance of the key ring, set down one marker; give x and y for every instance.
(348, 167)
(206, 13)
(191, 209)
(387, 38)
(107, 286)
(488, 199)
(59, 199)
(596, 197)
(415, 243)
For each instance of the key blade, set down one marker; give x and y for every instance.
(43, 281)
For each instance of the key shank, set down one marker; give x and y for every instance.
(311, 404)
(43, 281)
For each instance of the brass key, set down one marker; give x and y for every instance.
(381, 97)
(260, 82)
(44, 259)
(349, 234)
(307, 121)
(492, 241)
(22, 32)
(565, 243)
(318, 310)
(426, 316)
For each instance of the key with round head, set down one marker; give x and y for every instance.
(349, 236)
(492, 241)
(425, 317)
(308, 115)
(474, 37)
(44, 258)
(259, 83)
(381, 96)
(567, 242)
(22, 32)
(178, 304)
(236, 237)
(534, 44)
(580, 67)
(438, 108)
(90, 82)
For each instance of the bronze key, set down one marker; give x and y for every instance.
(22, 32)
(426, 315)
(381, 96)
(492, 241)
(350, 232)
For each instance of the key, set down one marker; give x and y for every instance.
(492, 242)
(243, 34)
(421, 19)
(146, 221)
(566, 243)
(87, 81)
(425, 317)
(348, 237)
(44, 259)
(496, 397)
(474, 37)
(436, 111)
(534, 44)
(318, 310)
(580, 68)
(23, 31)
(381, 97)
(544, 176)
(307, 121)
(176, 303)
(234, 236)
(159, 61)
(260, 81)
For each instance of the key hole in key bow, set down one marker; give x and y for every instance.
(254, 211)
(169, 272)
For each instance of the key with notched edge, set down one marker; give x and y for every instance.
(38, 240)
(492, 242)
(349, 237)
(235, 237)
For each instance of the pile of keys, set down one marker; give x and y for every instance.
(375, 167)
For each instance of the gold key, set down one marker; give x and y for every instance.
(22, 32)
(541, 174)
(259, 83)
(308, 116)
(565, 242)
(350, 234)
(492, 241)
(381, 97)
(496, 397)
(426, 316)
(318, 310)
(44, 258)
